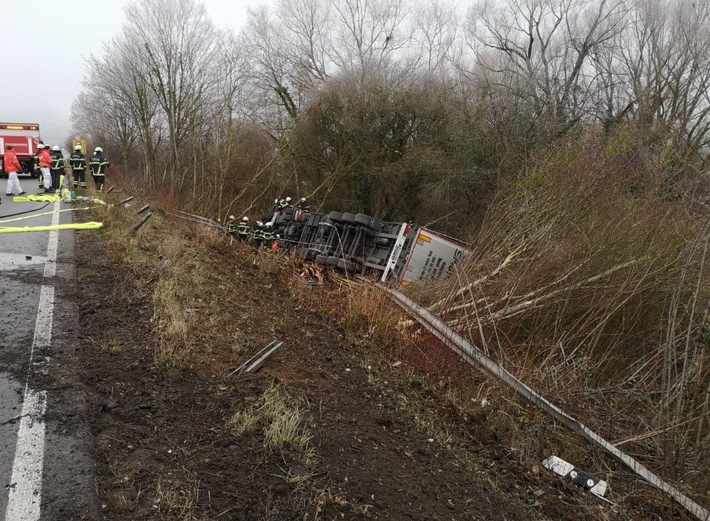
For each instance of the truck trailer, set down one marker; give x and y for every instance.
(359, 244)
(25, 138)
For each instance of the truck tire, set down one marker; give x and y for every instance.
(321, 259)
(332, 260)
(335, 216)
(348, 218)
(363, 219)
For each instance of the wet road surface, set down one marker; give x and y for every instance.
(45, 463)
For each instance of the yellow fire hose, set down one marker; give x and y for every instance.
(76, 226)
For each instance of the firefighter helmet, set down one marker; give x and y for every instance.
(77, 147)
(56, 148)
(288, 199)
(231, 217)
(40, 146)
(98, 149)
(245, 219)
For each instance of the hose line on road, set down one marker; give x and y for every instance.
(75, 226)
(26, 211)
(3, 220)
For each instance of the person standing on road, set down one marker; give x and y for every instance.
(45, 163)
(99, 167)
(12, 166)
(36, 168)
(57, 166)
(78, 167)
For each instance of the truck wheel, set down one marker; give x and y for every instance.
(363, 219)
(321, 259)
(348, 217)
(332, 260)
(335, 216)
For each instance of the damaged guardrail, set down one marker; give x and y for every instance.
(490, 367)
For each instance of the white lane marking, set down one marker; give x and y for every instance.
(26, 484)
(25, 495)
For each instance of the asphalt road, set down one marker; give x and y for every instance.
(46, 466)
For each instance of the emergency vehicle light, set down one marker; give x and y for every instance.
(10, 126)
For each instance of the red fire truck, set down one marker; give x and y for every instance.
(25, 138)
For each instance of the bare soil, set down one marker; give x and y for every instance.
(393, 438)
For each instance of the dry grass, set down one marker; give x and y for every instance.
(284, 421)
(171, 263)
(588, 281)
(177, 504)
(111, 346)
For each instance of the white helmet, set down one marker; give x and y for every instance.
(231, 217)
(77, 147)
(303, 199)
(98, 149)
(259, 223)
(288, 199)
(245, 219)
(269, 225)
(56, 148)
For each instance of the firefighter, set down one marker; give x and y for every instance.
(303, 204)
(99, 168)
(243, 229)
(284, 203)
(12, 166)
(267, 236)
(257, 233)
(78, 167)
(57, 167)
(231, 226)
(45, 164)
(37, 168)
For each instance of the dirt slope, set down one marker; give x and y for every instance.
(389, 435)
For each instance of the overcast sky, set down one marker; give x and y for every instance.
(44, 47)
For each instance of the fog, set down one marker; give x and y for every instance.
(45, 47)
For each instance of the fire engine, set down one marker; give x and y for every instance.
(25, 138)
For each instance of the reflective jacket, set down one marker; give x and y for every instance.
(243, 228)
(57, 161)
(77, 162)
(98, 164)
(45, 159)
(12, 165)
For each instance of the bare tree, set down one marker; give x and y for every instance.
(180, 49)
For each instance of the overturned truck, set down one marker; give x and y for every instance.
(360, 244)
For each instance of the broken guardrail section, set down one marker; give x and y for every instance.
(487, 365)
